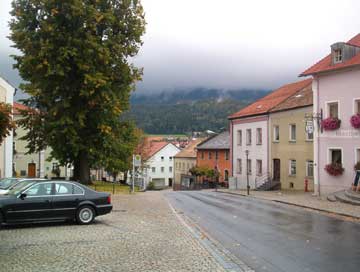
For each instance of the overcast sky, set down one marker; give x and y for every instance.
(229, 44)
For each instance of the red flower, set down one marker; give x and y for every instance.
(355, 120)
(334, 169)
(330, 123)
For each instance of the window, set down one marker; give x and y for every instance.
(42, 189)
(357, 159)
(183, 166)
(276, 133)
(162, 158)
(335, 155)
(162, 169)
(249, 166)
(259, 167)
(226, 175)
(292, 167)
(292, 128)
(258, 136)
(67, 189)
(309, 168)
(216, 155)
(227, 155)
(333, 109)
(309, 136)
(170, 158)
(202, 155)
(55, 166)
(210, 155)
(153, 169)
(338, 56)
(170, 169)
(239, 166)
(248, 137)
(357, 106)
(239, 137)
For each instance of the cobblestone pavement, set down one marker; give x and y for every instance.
(141, 234)
(303, 199)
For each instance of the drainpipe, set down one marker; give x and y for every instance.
(315, 87)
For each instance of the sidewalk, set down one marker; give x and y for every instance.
(304, 200)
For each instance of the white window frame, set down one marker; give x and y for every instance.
(307, 163)
(290, 168)
(249, 166)
(327, 108)
(307, 137)
(276, 127)
(259, 173)
(290, 133)
(259, 136)
(239, 166)
(162, 169)
(248, 136)
(170, 169)
(239, 137)
(357, 154)
(338, 55)
(153, 169)
(162, 158)
(356, 107)
(329, 152)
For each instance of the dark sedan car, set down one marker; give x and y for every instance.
(36, 201)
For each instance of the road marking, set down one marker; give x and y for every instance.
(228, 261)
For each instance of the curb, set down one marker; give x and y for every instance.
(297, 205)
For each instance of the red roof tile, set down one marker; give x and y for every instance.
(265, 104)
(148, 148)
(17, 108)
(325, 64)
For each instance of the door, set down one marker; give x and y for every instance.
(35, 206)
(170, 182)
(276, 174)
(31, 170)
(66, 199)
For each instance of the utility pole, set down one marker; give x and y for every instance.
(247, 172)
(133, 176)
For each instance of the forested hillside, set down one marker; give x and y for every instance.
(184, 112)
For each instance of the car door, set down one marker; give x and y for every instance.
(36, 205)
(67, 197)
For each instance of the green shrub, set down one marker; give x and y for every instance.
(151, 186)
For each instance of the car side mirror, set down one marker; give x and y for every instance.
(22, 196)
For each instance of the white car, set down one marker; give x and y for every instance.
(6, 184)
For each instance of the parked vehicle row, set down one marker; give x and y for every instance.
(35, 200)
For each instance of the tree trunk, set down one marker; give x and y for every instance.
(76, 174)
(84, 168)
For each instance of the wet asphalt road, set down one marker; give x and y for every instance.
(274, 237)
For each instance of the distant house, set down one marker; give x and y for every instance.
(6, 148)
(214, 153)
(158, 160)
(35, 164)
(249, 130)
(184, 161)
(336, 87)
(291, 147)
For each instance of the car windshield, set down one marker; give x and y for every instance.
(20, 187)
(5, 183)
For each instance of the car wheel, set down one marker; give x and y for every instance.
(85, 215)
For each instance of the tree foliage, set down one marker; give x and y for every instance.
(6, 122)
(75, 60)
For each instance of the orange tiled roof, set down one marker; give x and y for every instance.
(149, 148)
(190, 150)
(17, 108)
(325, 65)
(302, 98)
(265, 104)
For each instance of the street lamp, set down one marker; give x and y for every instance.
(247, 172)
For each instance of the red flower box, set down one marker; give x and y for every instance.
(355, 120)
(334, 169)
(330, 123)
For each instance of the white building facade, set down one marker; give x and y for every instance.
(249, 135)
(160, 166)
(6, 148)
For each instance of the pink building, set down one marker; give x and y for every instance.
(336, 90)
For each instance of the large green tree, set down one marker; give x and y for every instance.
(76, 61)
